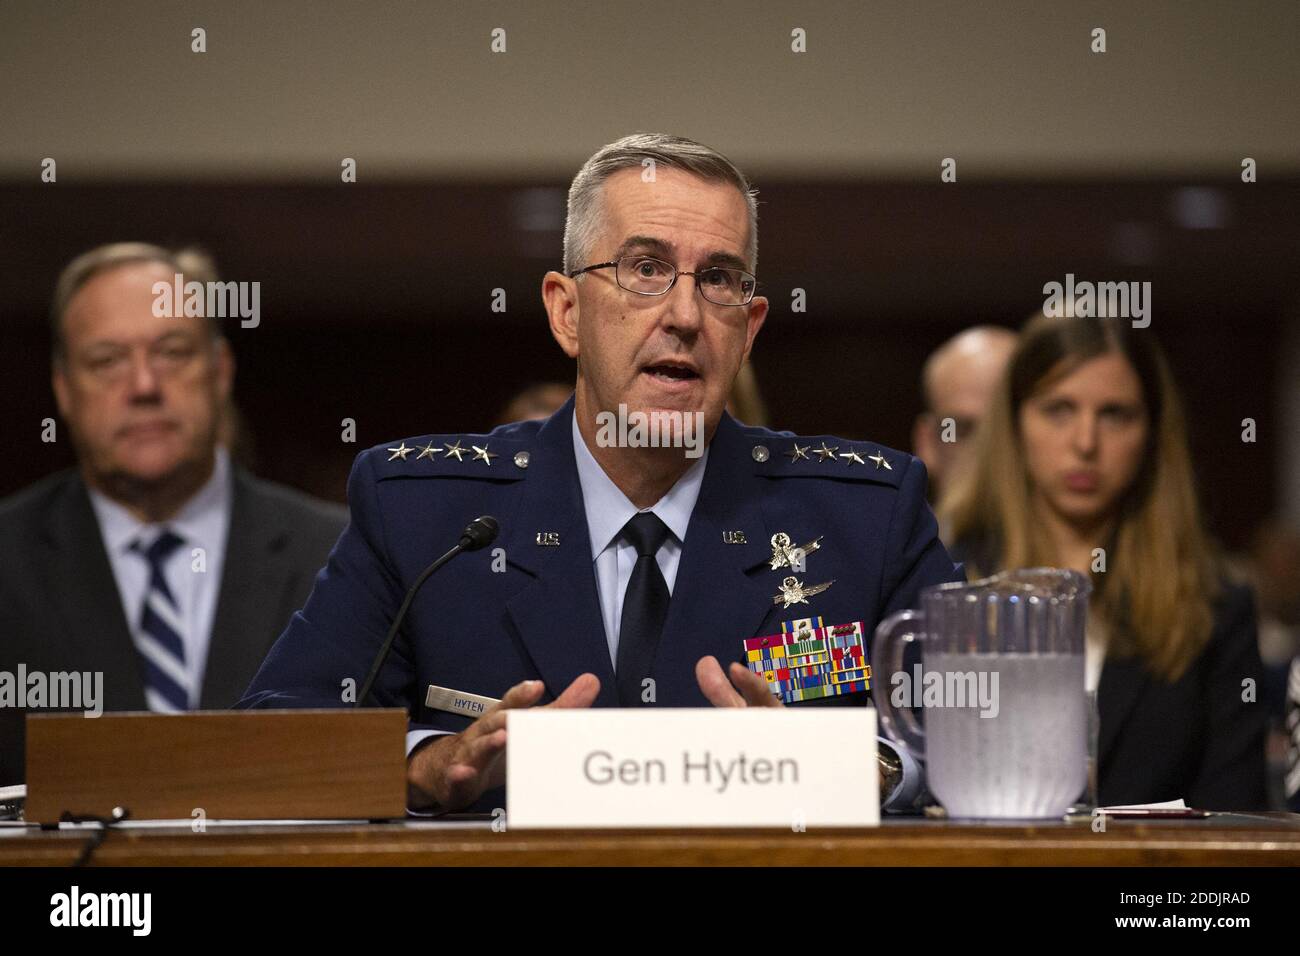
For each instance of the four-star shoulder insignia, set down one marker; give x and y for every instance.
(459, 449)
(808, 456)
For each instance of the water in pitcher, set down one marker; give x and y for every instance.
(1030, 759)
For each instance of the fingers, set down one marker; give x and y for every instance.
(581, 693)
(753, 690)
(524, 694)
(752, 687)
(469, 767)
(471, 762)
(480, 751)
(714, 684)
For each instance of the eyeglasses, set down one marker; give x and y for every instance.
(648, 276)
(113, 365)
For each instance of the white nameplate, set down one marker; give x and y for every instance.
(692, 767)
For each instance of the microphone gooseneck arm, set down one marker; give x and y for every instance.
(480, 533)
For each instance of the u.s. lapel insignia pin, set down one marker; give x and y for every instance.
(734, 537)
(548, 539)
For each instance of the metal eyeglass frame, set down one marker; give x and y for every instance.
(677, 273)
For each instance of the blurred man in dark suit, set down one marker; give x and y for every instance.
(155, 562)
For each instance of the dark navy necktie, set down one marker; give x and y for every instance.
(159, 636)
(645, 606)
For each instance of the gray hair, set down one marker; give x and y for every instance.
(582, 223)
(193, 263)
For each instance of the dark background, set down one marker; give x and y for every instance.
(375, 303)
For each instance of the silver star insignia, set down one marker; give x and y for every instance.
(482, 454)
(455, 450)
(879, 459)
(401, 451)
(793, 592)
(852, 455)
(796, 453)
(427, 452)
(823, 453)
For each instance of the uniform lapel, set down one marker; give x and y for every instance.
(715, 603)
(558, 614)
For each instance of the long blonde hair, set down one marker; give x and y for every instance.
(1156, 593)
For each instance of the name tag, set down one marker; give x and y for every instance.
(688, 767)
(457, 701)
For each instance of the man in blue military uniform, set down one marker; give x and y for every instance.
(634, 562)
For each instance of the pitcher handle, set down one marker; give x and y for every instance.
(892, 635)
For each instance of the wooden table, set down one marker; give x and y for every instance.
(1224, 839)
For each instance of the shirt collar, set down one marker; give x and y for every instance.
(608, 509)
(198, 521)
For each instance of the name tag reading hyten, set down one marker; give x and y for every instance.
(693, 767)
(458, 701)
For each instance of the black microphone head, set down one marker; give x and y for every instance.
(479, 533)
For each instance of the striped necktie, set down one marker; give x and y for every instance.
(160, 633)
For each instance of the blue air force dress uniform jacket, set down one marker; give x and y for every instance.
(527, 607)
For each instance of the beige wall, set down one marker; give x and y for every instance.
(887, 88)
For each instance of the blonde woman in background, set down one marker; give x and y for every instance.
(1083, 463)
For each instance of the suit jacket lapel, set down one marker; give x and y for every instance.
(1121, 684)
(95, 634)
(254, 580)
(558, 614)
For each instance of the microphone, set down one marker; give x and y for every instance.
(478, 534)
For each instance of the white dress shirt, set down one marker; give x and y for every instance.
(608, 510)
(1094, 652)
(202, 522)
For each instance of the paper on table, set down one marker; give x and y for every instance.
(1167, 805)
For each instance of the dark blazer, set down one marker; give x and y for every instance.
(478, 630)
(60, 609)
(1194, 738)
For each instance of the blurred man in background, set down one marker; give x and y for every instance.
(154, 562)
(536, 401)
(958, 381)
